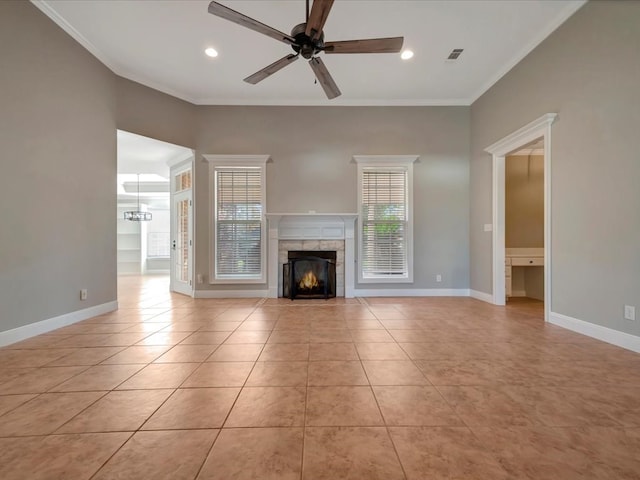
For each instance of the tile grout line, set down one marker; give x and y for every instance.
(413, 361)
(115, 389)
(248, 375)
(375, 398)
(141, 426)
(112, 455)
(220, 429)
(304, 419)
(470, 429)
(431, 383)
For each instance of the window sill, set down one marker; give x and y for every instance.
(404, 279)
(236, 281)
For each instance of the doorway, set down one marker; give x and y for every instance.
(524, 224)
(145, 225)
(181, 280)
(527, 135)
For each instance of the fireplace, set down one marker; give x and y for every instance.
(309, 274)
(312, 231)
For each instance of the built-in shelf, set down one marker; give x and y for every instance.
(520, 257)
(129, 247)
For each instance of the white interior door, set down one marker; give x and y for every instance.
(181, 231)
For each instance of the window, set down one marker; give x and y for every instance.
(158, 244)
(238, 233)
(385, 218)
(183, 181)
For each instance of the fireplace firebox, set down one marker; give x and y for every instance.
(309, 274)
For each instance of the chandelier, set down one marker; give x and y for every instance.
(138, 215)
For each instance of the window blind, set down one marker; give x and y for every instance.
(384, 223)
(239, 223)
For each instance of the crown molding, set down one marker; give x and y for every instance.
(339, 102)
(537, 40)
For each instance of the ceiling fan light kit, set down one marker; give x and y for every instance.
(307, 40)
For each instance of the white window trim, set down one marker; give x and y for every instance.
(236, 161)
(387, 161)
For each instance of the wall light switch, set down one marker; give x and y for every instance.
(83, 294)
(438, 278)
(629, 312)
(488, 227)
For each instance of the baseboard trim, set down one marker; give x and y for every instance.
(485, 297)
(231, 294)
(349, 293)
(31, 330)
(518, 293)
(411, 292)
(621, 339)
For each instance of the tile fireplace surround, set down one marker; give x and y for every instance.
(312, 231)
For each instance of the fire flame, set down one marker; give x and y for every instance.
(308, 281)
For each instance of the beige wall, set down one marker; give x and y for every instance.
(57, 185)
(60, 111)
(312, 169)
(58, 127)
(524, 201)
(154, 114)
(534, 282)
(588, 72)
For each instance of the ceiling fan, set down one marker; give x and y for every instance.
(307, 39)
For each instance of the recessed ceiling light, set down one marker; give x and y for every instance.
(406, 55)
(211, 52)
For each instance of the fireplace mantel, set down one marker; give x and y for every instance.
(312, 226)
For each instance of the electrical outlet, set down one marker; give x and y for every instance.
(488, 227)
(199, 278)
(629, 312)
(83, 294)
(438, 278)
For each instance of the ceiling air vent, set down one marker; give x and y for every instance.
(455, 53)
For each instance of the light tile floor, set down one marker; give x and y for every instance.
(170, 387)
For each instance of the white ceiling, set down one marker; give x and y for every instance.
(161, 44)
(146, 160)
(138, 154)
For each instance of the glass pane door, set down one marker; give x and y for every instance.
(181, 231)
(182, 241)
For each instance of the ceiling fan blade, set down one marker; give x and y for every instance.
(271, 69)
(324, 77)
(221, 11)
(317, 18)
(372, 45)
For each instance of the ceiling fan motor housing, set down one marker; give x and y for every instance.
(307, 40)
(305, 45)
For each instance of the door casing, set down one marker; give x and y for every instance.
(539, 128)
